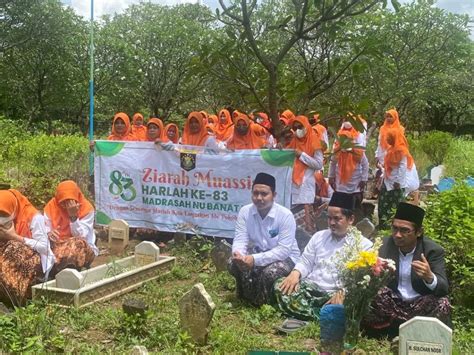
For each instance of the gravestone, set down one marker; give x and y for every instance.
(425, 336)
(146, 253)
(195, 312)
(139, 350)
(220, 255)
(436, 174)
(366, 227)
(119, 232)
(70, 279)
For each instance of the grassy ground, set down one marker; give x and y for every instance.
(235, 328)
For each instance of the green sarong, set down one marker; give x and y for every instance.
(303, 304)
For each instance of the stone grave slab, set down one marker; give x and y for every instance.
(119, 232)
(70, 279)
(425, 336)
(196, 309)
(220, 255)
(146, 253)
(366, 227)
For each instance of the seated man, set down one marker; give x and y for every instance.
(313, 282)
(264, 246)
(420, 286)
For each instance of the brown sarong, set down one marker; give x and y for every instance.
(73, 253)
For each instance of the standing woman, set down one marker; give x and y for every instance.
(244, 136)
(138, 127)
(224, 127)
(154, 129)
(195, 132)
(25, 254)
(121, 130)
(171, 133)
(309, 159)
(69, 219)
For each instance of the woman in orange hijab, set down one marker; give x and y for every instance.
(25, 254)
(155, 130)
(171, 133)
(349, 167)
(309, 159)
(195, 132)
(245, 137)
(224, 127)
(121, 130)
(138, 127)
(69, 218)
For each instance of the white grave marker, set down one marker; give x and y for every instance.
(69, 279)
(118, 234)
(146, 253)
(425, 336)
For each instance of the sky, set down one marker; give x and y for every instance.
(103, 7)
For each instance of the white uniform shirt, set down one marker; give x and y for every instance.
(81, 228)
(404, 277)
(306, 192)
(269, 239)
(360, 173)
(39, 242)
(317, 263)
(398, 174)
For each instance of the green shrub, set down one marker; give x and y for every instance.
(36, 165)
(459, 162)
(449, 221)
(436, 145)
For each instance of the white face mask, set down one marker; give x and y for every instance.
(300, 132)
(259, 120)
(5, 220)
(347, 125)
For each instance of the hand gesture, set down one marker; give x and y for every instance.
(422, 269)
(8, 233)
(72, 209)
(53, 235)
(244, 262)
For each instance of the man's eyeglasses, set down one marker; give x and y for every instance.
(402, 230)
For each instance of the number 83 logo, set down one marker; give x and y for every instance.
(122, 186)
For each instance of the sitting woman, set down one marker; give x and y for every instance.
(25, 254)
(171, 133)
(121, 129)
(69, 221)
(155, 129)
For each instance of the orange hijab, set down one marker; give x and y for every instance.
(128, 136)
(252, 140)
(224, 130)
(288, 115)
(267, 123)
(139, 131)
(308, 144)
(198, 138)
(347, 161)
(14, 203)
(396, 152)
(66, 190)
(165, 135)
(160, 125)
(396, 126)
(212, 119)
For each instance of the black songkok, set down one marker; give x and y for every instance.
(342, 200)
(265, 179)
(411, 213)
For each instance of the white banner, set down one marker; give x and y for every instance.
(189, 189)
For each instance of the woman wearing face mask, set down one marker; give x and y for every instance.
(25, 253)
(121, 130)
(195, 133)
(349, 167)
(309, 159)
(245, 137)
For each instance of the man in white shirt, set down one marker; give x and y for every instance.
(420, 287)
(314, 280)
(264, 248)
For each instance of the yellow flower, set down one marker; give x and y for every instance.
(366, 258)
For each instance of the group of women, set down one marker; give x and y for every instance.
(34, 246)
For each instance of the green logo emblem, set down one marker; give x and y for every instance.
(122, 186)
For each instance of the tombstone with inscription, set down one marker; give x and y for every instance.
(146, 253)
(220, 255)
(196, 309)
(118, 235)
(425, 336)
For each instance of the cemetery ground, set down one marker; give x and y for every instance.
(236, 327)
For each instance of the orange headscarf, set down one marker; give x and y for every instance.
(347, 160)
(160, 125)
(252, 140)
(198, 138)
(224, 130)
(139, 131)
(14, 203)
(66, 190)
(212, 119)
(165, 135)
(396, 152)
(288, 115)
(396, 126)
(308, 144)
(128, 136)
(267, 123)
